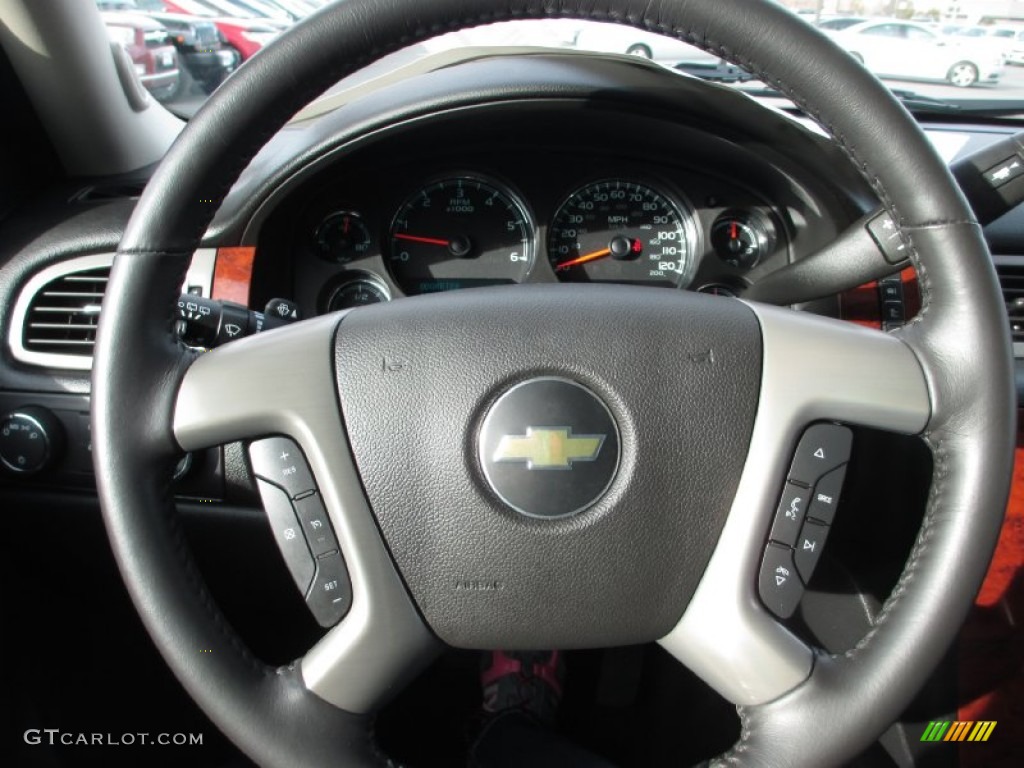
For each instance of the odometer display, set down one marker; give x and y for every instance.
(621, 232)
(460, 232)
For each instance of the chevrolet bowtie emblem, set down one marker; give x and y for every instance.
(548, 448)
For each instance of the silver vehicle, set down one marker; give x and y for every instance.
(909, 51)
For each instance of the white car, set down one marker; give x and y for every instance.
(839, 23)
(618, 38)
(1015, 55)
(1002, 38)
(905, 50)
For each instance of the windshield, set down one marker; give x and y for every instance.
(938, 60)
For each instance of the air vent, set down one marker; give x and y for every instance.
(54, 319)
(53, 324)
(63, 315)
(1011, 280)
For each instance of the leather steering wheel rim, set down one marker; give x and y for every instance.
(960, 340)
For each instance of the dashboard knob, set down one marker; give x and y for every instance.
(31, 439)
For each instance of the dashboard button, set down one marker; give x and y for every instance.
(825, 498)
(287, 534)
(31, 439)
(316, 525)
(779, 586)
(891, 290)
(331, 594)
(790, 514)
(893, 313)
(822, 448)
(279, 461)
(808, 548)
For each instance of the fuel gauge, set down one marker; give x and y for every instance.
(742, 238)
(357, 292)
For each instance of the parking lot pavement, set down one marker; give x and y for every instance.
(1010, 87)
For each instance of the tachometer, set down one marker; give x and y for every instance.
(460, 232)
(621, 231)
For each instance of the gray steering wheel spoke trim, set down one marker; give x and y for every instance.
(282, 382)
(961, 339)
(134, 467)
(814, 369)
(966, 364)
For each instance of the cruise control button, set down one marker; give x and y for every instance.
(808, 548)
(280, 461)
(330, 597)
(779, 586)
(887, 237)
(825, 498)
(287, 534)
(316, 525)
(790, 514)
(822, 448)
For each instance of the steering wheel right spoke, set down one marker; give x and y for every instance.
(815, 371)
(282, 383)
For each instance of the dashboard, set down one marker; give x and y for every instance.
(500, 170)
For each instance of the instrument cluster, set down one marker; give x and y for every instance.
(457, 230)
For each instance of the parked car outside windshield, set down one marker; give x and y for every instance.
(902, 49)
(965, 70)
(205, 60)
(153, 56)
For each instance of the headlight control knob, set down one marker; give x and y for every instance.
(31, 439)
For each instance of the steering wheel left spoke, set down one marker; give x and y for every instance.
(282, 383)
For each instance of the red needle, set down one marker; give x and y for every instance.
(733, 234)
(584, 258)
(345, 228)
(427, 240)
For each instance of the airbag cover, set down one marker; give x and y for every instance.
(679, 374)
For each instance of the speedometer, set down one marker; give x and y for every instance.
(621, 232)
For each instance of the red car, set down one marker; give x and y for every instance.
(148, 43)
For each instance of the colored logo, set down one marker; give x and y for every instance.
(959, 730)
(557, 426)
(548, 448)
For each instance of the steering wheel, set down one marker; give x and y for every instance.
(447, 536)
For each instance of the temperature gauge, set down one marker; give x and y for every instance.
(342, 237)
(742, 238)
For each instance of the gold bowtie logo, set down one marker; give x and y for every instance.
(548, 448)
